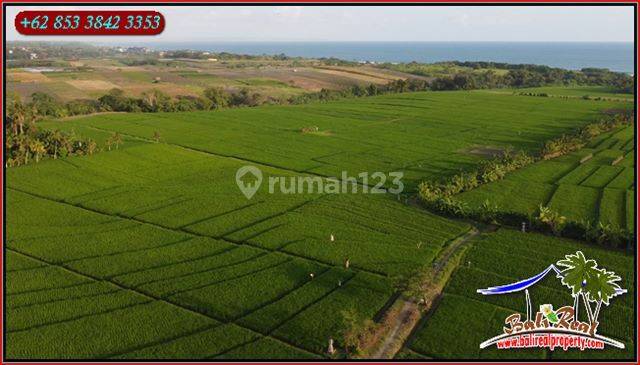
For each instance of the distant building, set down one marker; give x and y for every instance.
(138, 50)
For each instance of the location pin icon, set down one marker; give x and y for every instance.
(249, 179)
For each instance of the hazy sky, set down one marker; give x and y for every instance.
(371, 23)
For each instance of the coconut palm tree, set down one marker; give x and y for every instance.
(117, 139)
(114, 139)
(18, 116)
(602, 287)
(37, 149)
(578, 274)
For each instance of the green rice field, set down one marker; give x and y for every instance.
(585, 186)
(154, 245)
(426, 135)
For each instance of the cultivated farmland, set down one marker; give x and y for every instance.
(590, 185)
(426, 135)
(95, 77)
(154, 244)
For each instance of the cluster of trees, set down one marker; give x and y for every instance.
(489, 171)
(395, 86)
(571, 142)
(140, 61)
(20, 63)
(526, 78)
(157, 101)
(25, 142)
(150, 101)
(483, 75)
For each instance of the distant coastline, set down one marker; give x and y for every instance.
(616, 56)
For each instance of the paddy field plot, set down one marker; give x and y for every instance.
(426, 135)
(154, 243)
(117, 238)
(594, 184)
(464, 318)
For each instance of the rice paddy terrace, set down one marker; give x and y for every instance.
(594, 184)
(155, 245)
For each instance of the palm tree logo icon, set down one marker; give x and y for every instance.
(591, 287)
(589, 283)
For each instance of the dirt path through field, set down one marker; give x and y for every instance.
(402, 324)
(452, 248)
(389, 346)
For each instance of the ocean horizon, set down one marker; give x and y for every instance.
(616, 56)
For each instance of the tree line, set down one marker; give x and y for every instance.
(43, 105)
(46, 106)
(484, 75)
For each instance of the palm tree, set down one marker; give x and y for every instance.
(22, 142)
(92, 147)
(54, 140)
(114, 139)
(602, 287)
(37, 148)
(117, 139)
(578, 274)
(18, 116)
(109, 143)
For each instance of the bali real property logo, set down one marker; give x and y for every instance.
(590, 286)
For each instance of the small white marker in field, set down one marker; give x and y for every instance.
(331, 350)
(312, 275)
(332, 238)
